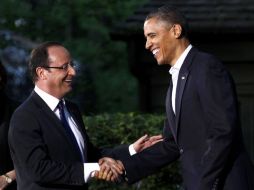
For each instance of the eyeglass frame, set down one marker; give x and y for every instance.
(64, 67)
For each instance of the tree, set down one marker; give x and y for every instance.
(84, 27)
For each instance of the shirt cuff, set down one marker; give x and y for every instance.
(132, 151)
(89, 170)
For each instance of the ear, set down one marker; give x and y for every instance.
(41, 73)
(177, 31)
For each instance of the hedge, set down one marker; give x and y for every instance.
(109, 130)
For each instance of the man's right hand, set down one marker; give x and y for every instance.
(110, 169)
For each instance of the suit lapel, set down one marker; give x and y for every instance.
(182, 78)
(169, 110)
(181, 82)
(45, 110)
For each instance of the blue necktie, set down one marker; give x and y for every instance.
(67, 127)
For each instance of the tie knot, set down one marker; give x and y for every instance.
(60, 105)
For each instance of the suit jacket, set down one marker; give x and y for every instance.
(7, 108)
(204, 133)
(43, 154)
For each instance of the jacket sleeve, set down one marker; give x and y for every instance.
(218, 100)
(149, 160)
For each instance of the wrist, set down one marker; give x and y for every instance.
(132, 150)
(7, 178)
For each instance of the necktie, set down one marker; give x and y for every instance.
(67, 127)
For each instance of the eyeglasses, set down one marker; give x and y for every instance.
(64, 67)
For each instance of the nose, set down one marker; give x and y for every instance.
(71, 71)
(148, 44)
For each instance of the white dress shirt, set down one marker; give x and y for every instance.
(52, 102)
(174, 71)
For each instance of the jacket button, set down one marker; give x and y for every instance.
(181, 151)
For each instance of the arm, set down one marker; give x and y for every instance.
(219, 103)
(110, 169)
(151, 159)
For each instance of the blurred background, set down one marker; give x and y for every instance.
(116, 76)
(116, 73)
(104, 83)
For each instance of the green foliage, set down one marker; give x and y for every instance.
(84, 27)
(109, 130)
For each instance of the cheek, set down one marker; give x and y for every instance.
(56, 81)
(60, 78)
(163, 50)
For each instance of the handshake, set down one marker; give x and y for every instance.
(112, 170)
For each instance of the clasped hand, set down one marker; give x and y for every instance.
(111, 170)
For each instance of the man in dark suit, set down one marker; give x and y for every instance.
(47, 137)
(202, 128)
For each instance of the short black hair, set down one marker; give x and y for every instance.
(170, 15)
(39, 57)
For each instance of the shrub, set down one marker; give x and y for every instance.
(109, 130)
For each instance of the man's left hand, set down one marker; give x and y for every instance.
(145, 142)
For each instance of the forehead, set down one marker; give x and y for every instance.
(58, 53)
(154, 25)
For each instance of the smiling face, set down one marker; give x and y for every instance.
(161, 40)
(55, 81)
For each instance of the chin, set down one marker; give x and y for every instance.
(67, 90)
(161, 62)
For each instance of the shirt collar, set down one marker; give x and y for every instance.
(177, 66)
(50, 100)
